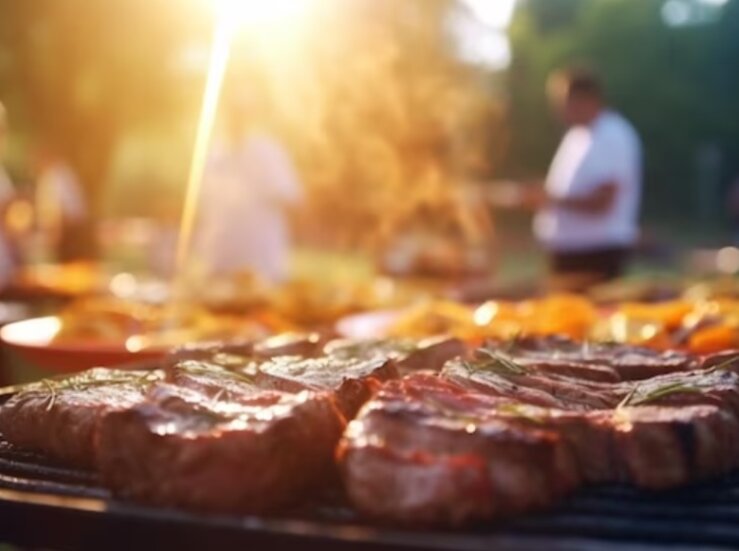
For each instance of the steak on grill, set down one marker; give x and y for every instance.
(351, 381)
(427, 451)
(60, 417)
(564, 356)
(410, 355)
(183, 448)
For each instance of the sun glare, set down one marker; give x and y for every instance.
(257, 13)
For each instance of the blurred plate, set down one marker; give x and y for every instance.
(33, 340)
(368, 325)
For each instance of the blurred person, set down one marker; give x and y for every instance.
(248, 186)
(8, 256)
(587, 211)
(61, 208)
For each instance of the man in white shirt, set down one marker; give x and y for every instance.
(587, 211)
(588, 215)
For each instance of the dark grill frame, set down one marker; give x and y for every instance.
(46, 505)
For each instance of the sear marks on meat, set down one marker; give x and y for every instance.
(352, 381)
(410, 355)
(498, 375)
(426, 451)
(718, 387)
(646, 446)
(213, 380)
(664, 447)
(567, 357)
(182, 448)
(60, 417)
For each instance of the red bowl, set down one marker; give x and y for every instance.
(33, 341)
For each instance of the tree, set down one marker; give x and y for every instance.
(80, 73)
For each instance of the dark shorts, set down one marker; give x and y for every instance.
(599, 264)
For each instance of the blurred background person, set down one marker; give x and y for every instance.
(61, 207)
(248, 187)
(8, 256)
(587, 211)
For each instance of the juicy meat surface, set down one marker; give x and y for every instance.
(429, 450)
(665, 447)
(60, 417)
(560, 355)
(500, 377)
(182, 448)
(425, 451)
(410, 355)
(352, 381)
(440, 434)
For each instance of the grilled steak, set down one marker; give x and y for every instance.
(410, 355)
(498, 375)
(253, 454)
(60, 417)
(664, 447)
(427, 451)
(352, 381)
(444, 435)
(564, 356)
(609, 425)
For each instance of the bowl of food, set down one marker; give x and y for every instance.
(107, 332)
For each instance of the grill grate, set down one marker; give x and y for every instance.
(76, 513)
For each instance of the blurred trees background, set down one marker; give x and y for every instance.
(676, 79)
(78, 76)
(378, 108)
(371, 98)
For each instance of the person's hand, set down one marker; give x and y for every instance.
(534, 197)
(516, 195)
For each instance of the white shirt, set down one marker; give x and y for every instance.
(242, 219)
(609, 150)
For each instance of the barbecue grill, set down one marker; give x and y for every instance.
(46, 505)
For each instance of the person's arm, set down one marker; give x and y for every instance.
(598, 201)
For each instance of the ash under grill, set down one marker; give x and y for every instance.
(46, 505)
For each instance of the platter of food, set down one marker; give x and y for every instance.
(108, 331)
(36, 340)
(701, 326)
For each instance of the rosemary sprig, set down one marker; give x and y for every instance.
(52, 393)
(726, 364)
(627, 399)
(92, 379)
(677, 387)
(500, 363)
(514, 341)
